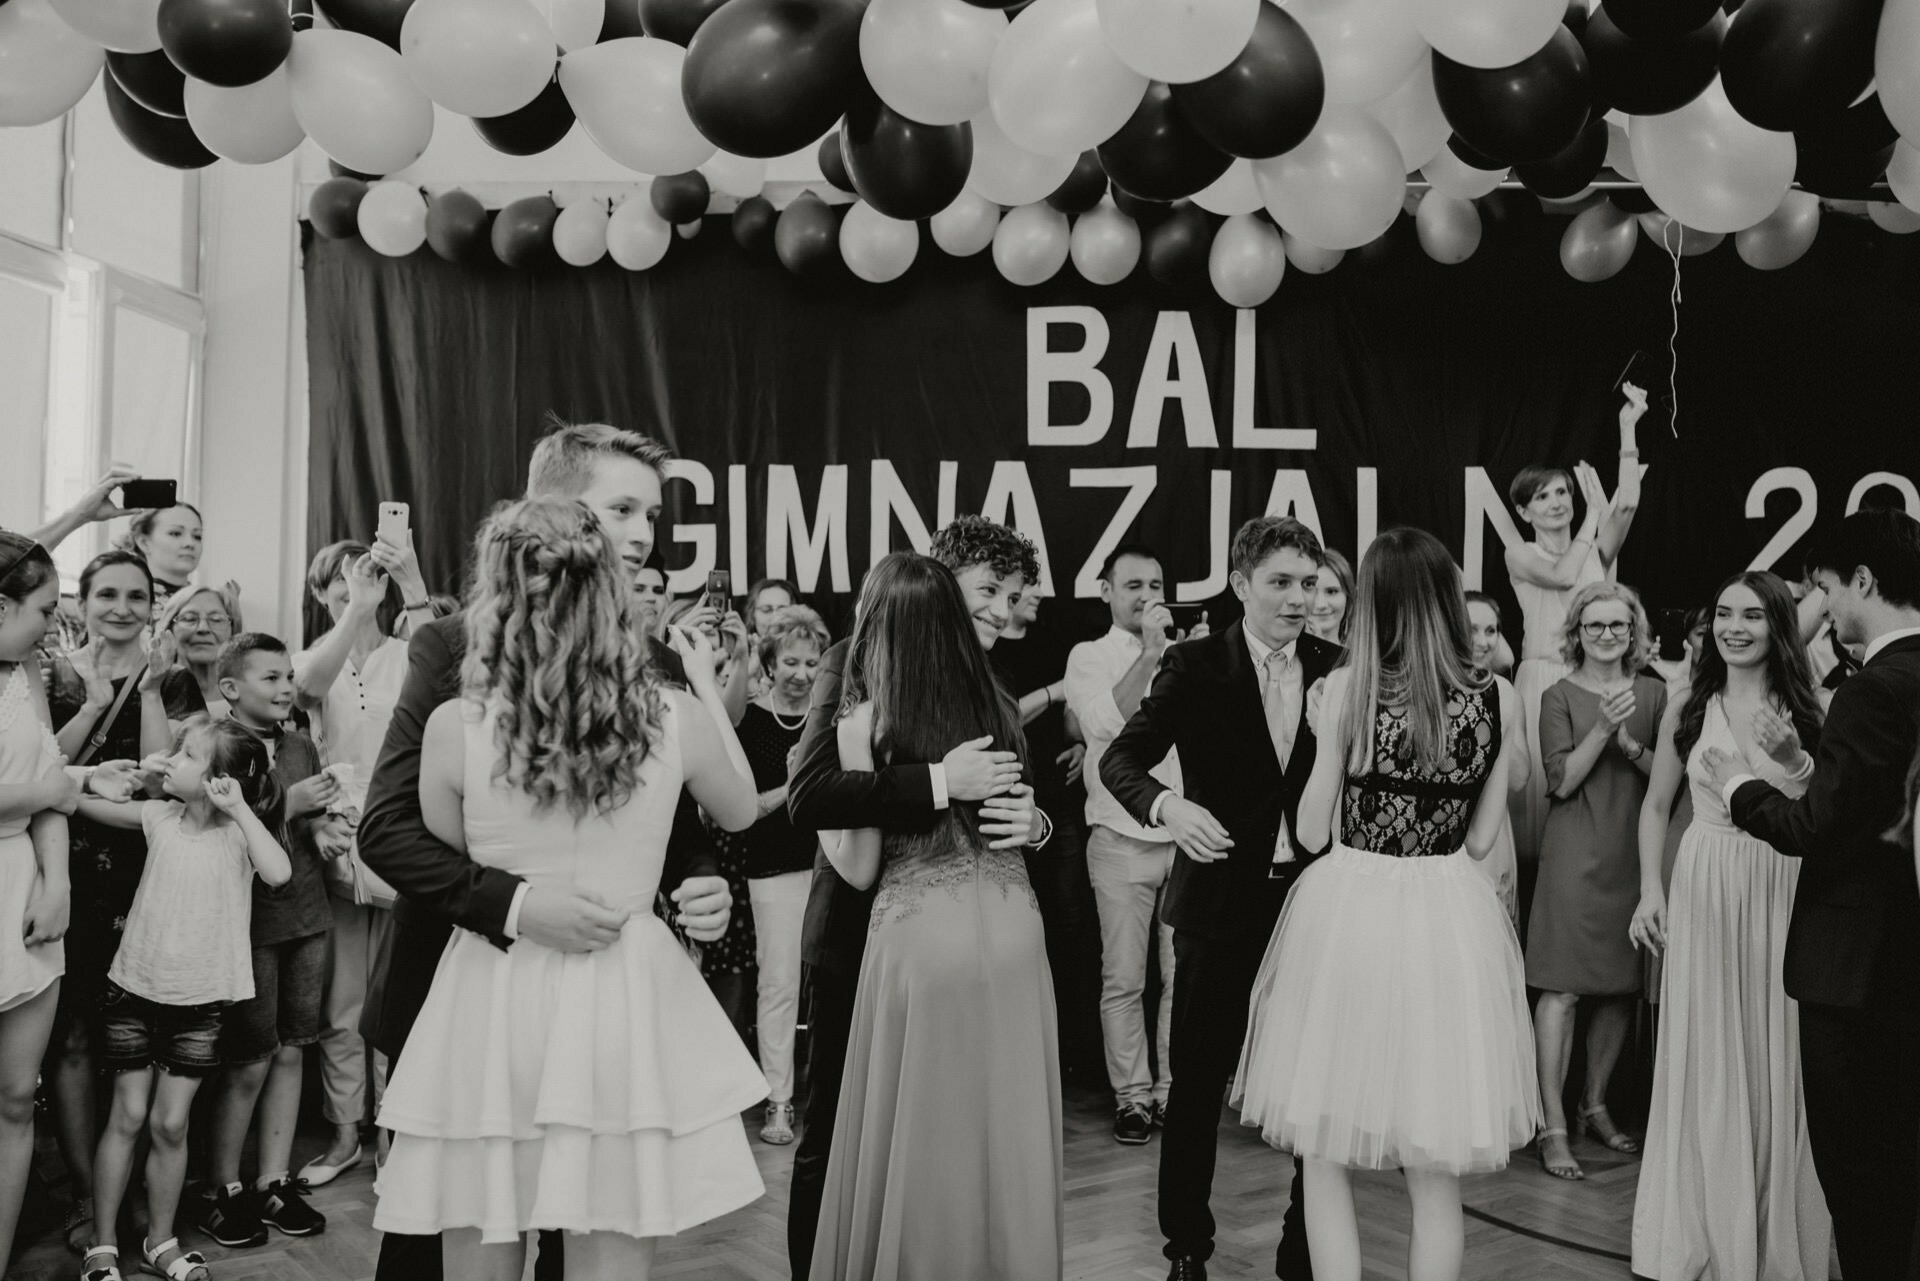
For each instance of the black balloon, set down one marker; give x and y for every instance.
(161, 139)
(523, 232)
(1787, 63)
(1266, 101)
(833, 163)
(1510, 212)
(903, 168)
(1520, 114)
(1466, 155)
(674, 20)
(226, 42)
(1176, 249)
(1084, 188)
(1861, 127)
(1157, 154)
(334, 208)
(1399, 243)
(532, 129)
(338, 170)
(151, 80)
(622, 20)
(680, 197)
(766, 77)
(1147, 213)
(458, 228)
(807, 236)
(1570, 172)
(753, 220)
(1651, 77)
(1661, 19)
(997, 4)
(1841, 174)
(380, 19)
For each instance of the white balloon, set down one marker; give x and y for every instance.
(46, 66)
(1007, 173)
(688, 230)
(1488, 33)
(1105, 244)
(627, 95)
(580, 233)
(1233, 192)
(1311, 259)
(877, 248)
(124, 26)
(1246, 261)
(1448, 227)
(252, 124)
(1896, 66)
(1366, 47)
(966, 226)
(1450, 174)
(477, 57)
(354, 98)
(928, 59)
(1342, 187)
(1620, 152)
(1903, 174)
(637, 237)
(1031, 243)
(1898, 219)
(393, 218)
(1412, 115)
(1178, 41)
(736, 176)
(1709, 166)
(575, 23)
(1055, 86)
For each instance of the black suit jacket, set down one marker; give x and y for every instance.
(1855, 936)
(440, 887)
(1205, 700)
(823, 797)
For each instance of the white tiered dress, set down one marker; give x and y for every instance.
(588, 1092)
(27, 752)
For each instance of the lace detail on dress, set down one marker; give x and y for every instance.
(1406, 811)
(16, 700)
(942, 860)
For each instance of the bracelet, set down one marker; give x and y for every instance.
(1629, 453)
(408, 607)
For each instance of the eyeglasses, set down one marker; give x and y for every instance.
(1597, 630)
(192, 621)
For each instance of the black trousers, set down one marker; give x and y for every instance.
(1861, 1070)
(1212, 982)
(830, 997)
(1058, 874)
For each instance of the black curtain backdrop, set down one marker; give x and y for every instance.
(429, 384)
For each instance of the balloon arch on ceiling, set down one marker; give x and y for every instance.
(1216, 139)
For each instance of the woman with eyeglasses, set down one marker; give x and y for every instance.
(187, 639)
(1597, 730)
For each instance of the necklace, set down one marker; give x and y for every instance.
(781, 721)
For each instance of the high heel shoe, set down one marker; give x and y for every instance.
(1595, 1121)
(1566, 1168)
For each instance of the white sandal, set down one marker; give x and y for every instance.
(187, 1265)
(110, 1271)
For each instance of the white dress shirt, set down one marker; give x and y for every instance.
(1262, 655)
(1094, 668)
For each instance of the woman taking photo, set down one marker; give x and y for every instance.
(1545, 573)
(1727, 1099)
(779, 856)
(1388, 1023)
(1596, 730)
(98, 699)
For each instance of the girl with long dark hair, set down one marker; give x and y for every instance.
(947, 1147)
(1727, 1099)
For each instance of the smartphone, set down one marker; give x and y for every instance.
(1185, 618)
(1670, 628)
(393, 523)
(149, 495)
(719, 588)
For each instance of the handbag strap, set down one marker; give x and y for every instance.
(97, 738)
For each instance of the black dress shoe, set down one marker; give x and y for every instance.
(1187, 1268)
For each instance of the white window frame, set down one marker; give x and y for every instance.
(24, 263)
(114, 289)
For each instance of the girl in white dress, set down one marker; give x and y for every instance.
(1547, 571)
(594, 1092)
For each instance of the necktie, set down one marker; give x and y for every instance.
(1282, 704)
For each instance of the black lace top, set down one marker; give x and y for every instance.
(1405, 810)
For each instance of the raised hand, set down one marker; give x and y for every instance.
(98, 502)
(696, 650)
(115, 780)
(1636, 404)
(224, 795)
(366, 585)
(733, 632)
(1156, 626)
(99, 695)
(1776, 736)
(162, 657)
(312, 795)
(975, 772)
(1617, 708)
(1200, 836)
(402, 565)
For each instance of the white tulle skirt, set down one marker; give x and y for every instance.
(1389, 1025)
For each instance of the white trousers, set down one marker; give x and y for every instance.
(779, 910)
(1128, 877)
(357, 934)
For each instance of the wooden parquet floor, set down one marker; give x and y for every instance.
(1112, 1232)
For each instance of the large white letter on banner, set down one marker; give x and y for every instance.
(787, 522)
(1246, 365)
(1139, 483)
(1217, 542)
(702, 536)
(1045, 368)
(1484, 504)
(1010, 502)
(888, 500)
(1172, 370)
(1292, 495)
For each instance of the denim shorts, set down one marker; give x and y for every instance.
(289, 980)
(183, 1039)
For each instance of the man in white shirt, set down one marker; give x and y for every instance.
(1126, 861)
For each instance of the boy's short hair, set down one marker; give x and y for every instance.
(1886, 542)
(1138, 551)
(967, 541)
(235, 653)
(563, 461)
(1261, 537)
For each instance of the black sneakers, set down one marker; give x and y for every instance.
(285, 1207)
(1132, 1125)
(232, 1217)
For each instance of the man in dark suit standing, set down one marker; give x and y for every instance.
(993, 565)
(1853, 948)
(618, 474)
(1235, 705)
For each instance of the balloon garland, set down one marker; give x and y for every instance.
(1213, 141)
